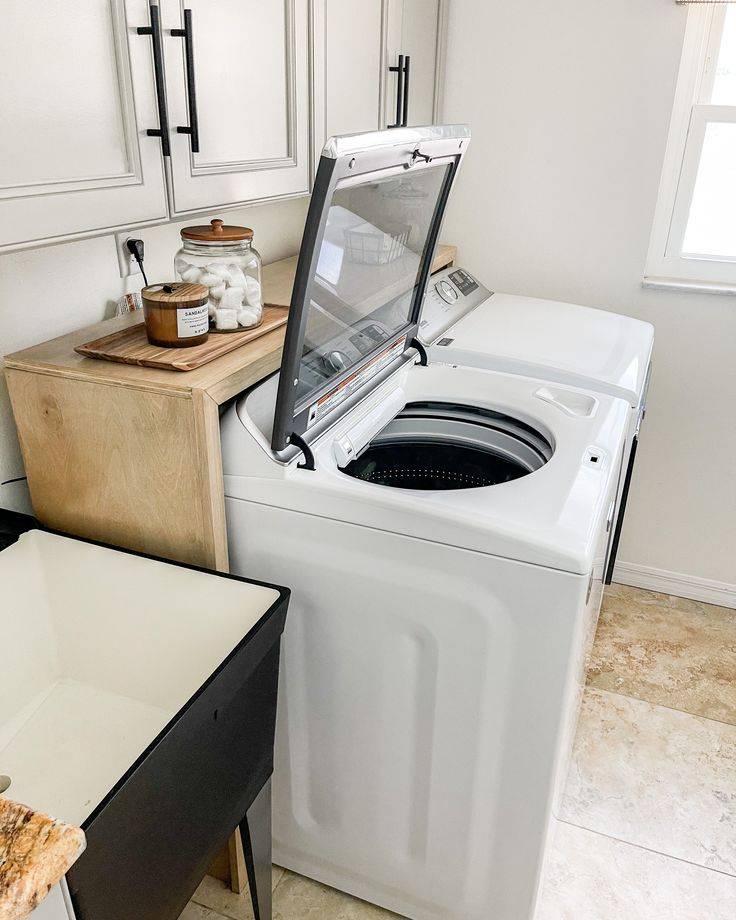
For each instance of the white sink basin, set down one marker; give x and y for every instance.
(100, 649)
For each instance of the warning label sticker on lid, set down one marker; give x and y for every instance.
(354, 382)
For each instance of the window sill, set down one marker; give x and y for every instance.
(696, 287)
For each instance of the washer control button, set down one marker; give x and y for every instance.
(446, 291)
(336, 361)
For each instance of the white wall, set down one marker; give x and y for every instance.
(48, 292)
(569, 103)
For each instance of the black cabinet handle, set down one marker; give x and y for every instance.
(192, 129)
(399, 71)
(402, 90)
(154, 30)
(405, 111)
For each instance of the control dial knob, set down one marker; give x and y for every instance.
(335, 361)
(446, 291)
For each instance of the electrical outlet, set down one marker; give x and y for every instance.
(128, 265)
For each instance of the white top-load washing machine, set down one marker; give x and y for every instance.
(443, 530)
(465, 323)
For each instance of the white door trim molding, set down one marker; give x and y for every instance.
(698, 589)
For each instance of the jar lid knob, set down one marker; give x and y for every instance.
(217, 225)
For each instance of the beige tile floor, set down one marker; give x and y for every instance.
(647, 829)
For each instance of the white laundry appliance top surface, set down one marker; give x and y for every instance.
(102, 649)
(563, 342)
(550, 517)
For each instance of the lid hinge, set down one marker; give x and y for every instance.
(415, 343)
(299, 442)
(418, 155)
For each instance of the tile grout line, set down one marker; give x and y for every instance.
(686, 712)
(227, 916)
(211, 910)
(638, 846)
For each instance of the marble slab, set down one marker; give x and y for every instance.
(667, 650)
(655, 777)
(35, 852)
(592, 876)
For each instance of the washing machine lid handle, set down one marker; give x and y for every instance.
(371, 230)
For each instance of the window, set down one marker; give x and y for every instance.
(693, 241)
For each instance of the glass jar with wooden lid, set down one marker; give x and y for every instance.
(176, 314)
(222, 258)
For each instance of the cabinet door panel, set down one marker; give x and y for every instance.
(416, 28)
(80, 104)
(241, 82)
(419, 40)
(252, 77)
(354, 51)
(78, 91)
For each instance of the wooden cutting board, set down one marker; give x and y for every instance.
(130, 346)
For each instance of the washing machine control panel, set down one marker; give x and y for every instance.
(451, 293)
(342, 351)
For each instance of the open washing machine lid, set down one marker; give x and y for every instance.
(372, 227)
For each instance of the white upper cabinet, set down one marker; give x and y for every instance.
(120, 113)
(238, 81)
(78, 94)
(366, 41)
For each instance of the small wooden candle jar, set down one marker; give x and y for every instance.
(176, 314)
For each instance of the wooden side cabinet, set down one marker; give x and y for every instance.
(131, 455)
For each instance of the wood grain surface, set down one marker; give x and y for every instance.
(118, 464)
(131, 346)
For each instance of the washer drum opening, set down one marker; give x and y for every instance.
(437, 446)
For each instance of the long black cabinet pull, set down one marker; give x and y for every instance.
(192, 129)
(399, 71)
(405, 109)
(154, 30)
(402, 90)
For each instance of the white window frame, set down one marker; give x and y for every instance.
(666, 266)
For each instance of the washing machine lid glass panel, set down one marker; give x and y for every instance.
(372, 227)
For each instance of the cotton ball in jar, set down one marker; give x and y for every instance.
(209, 280)
(217, 291)
(232, 298)
(192, 275)
(237, 277)
(249, 317)
(226, 318)
(252, 292)
(218, 270)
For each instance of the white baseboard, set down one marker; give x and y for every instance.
(697, 589)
